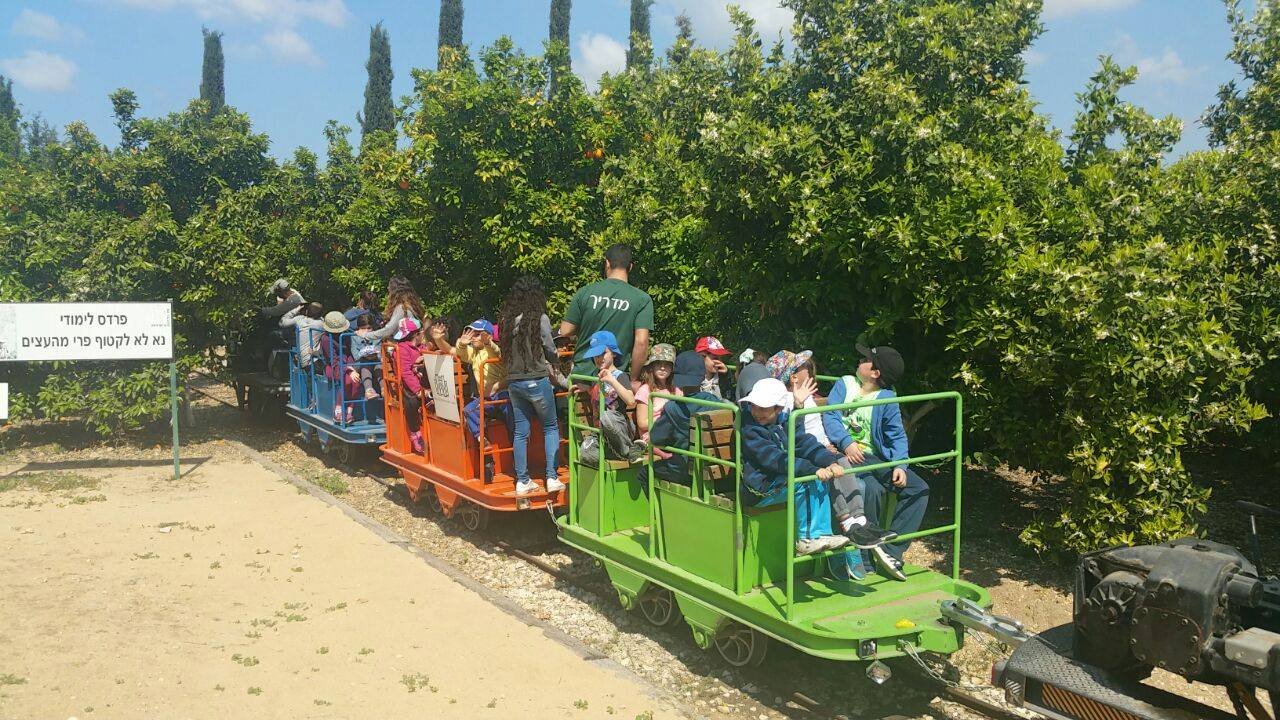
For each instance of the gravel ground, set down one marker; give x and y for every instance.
(1021, 584)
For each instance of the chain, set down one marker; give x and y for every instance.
(910, 650)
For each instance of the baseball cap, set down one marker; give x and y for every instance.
(482, 325)
(407, 327)
(712, 345)
(769, 392)
(278, 285)
(598, 342)
(662, 352)
(689, 369)
(885, 359)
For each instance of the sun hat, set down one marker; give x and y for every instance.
(662, 352)
(599, 342)
(482, 325)
(887, 360)
(689, 369)
(711, 344)
(767, 393)
(336, 322)
(407, 327)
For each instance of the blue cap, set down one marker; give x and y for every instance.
(597, 343)
(482, 325)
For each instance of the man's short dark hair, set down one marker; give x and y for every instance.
(618, 256)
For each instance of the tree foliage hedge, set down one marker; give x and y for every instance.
(1101, 307)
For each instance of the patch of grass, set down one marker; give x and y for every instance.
(186, 555)
(263, 622)
(294, 617)
(492, 703)
(215, 565)
(255, 691)
(296, 569)
(580, 704)
(254, 634)
(415, 682)
(219, 687)
(8, 679)
(254, 564)
(322, 703)
(296, 606)
(47, 482)
(245, 660)
(86, 499)
(331, 482)
(646, 715)
(366, 651)
(339, 606)
(323, 650)
(148, 556)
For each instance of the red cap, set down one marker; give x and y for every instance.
(712, 345)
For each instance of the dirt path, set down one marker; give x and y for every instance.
(229, 594)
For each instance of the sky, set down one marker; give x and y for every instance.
(293, 64)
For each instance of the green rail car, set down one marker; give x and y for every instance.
(730, 570)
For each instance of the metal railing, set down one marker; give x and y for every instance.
(337, 384)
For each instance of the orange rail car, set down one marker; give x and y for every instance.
(448, 473)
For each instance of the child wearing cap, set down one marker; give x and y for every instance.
(798, 371)
(872, 435)
(334, 357)
(476, 347)
(711, 350)
(409, 349)
(618, 433)
(764, 467)
(655, 377)
(751, 370)
(672, 429)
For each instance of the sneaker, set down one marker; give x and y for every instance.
(846, 567)
(337, 413)
(370, 394)
(833, 542)
(887, 564)
(639, 450)
(554, 485)
(527, 488)
(869, 535)
(416, 440)
(809, 546)
(589, 453)
(351, 415)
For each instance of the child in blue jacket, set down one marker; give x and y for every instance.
(872, 435)
(764, 467)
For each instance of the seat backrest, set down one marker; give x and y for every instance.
(713, 432)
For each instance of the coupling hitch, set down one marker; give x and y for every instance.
(967, 614)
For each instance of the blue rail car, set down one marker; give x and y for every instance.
(327, 410)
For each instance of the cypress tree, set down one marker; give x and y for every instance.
(641, 52)
(378, 111)
(211, 87)
(683, 45)
(10, 141)
(558, 51)
(450, 25)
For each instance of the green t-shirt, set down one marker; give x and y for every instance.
(858, 421)
(612, 305)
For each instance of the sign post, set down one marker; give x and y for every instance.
(32, 332)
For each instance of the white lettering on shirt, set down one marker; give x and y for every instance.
(610, 302)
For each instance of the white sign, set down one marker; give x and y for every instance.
(4, 401)
(440, 374)
(86, 331)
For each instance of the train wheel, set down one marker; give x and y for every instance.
(433, 501)
(741, 646)
(343, 453)
(474, 517)
(658, 605)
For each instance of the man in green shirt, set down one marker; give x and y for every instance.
(612, 304)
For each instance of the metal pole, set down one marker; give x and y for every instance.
(173, 415)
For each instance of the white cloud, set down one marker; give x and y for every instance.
(290, 47)
(286, 13)
(40, 70)
(711, 25)
(1065, 8)
(1033, 57)
(1164, 68)
(45, 27)
(596, 54)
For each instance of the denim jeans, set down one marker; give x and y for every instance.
(530, 399)
(913, 500)
(472, 411)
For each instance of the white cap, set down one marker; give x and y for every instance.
(769, 392)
